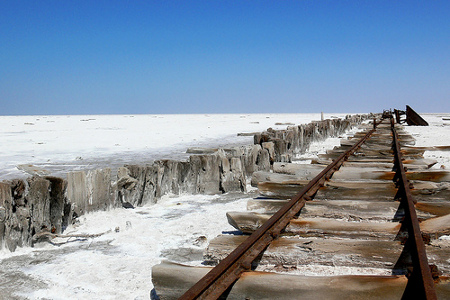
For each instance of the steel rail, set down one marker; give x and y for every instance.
(420, 282)
(220, 278)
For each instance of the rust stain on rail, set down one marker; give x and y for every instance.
(420, 282)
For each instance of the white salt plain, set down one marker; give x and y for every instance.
(117, 265)
(62, 143)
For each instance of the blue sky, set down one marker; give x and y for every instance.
(149, 57)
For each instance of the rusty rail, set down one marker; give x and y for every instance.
(420, 282)
(221, 277)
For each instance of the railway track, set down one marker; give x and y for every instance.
(316, 225)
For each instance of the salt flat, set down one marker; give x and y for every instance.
(437, 134)
(59, 144)
(118, 264)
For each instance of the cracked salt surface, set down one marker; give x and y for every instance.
(118, 264)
